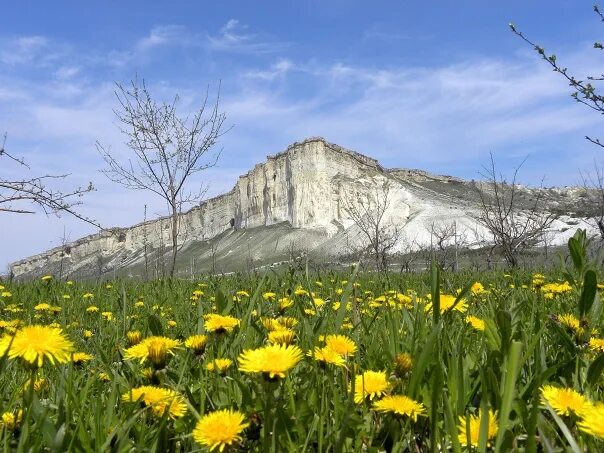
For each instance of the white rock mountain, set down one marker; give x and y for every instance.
(292, 203)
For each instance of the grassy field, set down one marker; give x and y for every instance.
(299, 361)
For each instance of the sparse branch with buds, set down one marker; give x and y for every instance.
(17, 195)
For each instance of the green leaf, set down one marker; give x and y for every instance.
(511, 373)
(574, 248)
(221, 301)
(572, 443)
(155, 325)
(425, 358)
(504, 324)
(595, 370)
(588, 294)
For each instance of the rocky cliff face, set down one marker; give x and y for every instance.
(296, 198)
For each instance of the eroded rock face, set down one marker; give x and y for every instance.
(304, 187)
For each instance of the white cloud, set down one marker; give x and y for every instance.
(22, 50)
(163, 35)
(277, 70)
(233, 37)
(67, 72)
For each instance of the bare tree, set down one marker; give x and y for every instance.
(446, 240)
(65, 251)
(514, 228)
(18, 194)
(298, 255)
(168, 148)
(367, 209)
(408, 252)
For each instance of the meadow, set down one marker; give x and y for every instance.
(309, 362)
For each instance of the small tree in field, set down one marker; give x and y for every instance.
(368, 212)
(514, 228)
(168, 149)
(18, 194)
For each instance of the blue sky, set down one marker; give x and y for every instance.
(431, 85)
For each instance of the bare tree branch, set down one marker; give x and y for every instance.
(14, 193)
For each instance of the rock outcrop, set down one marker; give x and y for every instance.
(293, 201)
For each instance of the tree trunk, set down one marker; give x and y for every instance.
(174, 239)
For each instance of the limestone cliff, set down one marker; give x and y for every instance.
(293, 200)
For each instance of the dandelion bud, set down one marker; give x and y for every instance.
(134, 337)
(158, 354)
(402, 364)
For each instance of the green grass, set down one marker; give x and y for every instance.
(456, 369)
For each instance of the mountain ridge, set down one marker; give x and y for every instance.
(302, 186)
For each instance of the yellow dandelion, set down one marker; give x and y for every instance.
(154, 349)
(282, 336)
(447, 301)
(34, 344)
(271, 324)
(39, 384)
(370, 385)
(285, 302)
(107, 315)
(78, 358)
(269, 296)
(318, 302)
(219, 429)
(477, 288)
(88, 334)
(10, 326)
(11, 420)
(287, 322)
(596, 344)
(592, 421)
(400, 405)
(476, 323)
(92, 309)
(104, 377)
(272, 360)
(299, 291)
(327, 355)
(197, 343)
(341, 344)
(219, 323)
(571, 322)
(564, 400)
(219, 365)
(160, 400)
(538, 280)
(474, 428)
